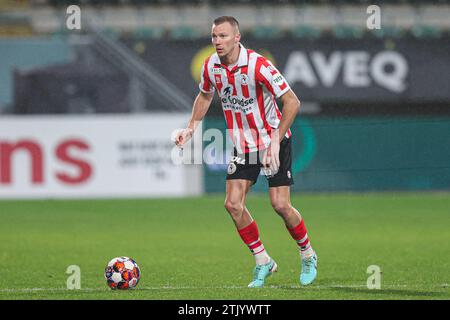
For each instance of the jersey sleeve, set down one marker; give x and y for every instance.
(270, 77)
(205, 84)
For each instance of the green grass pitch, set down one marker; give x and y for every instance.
(189, 248)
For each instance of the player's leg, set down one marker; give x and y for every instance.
(236, 191)
(280, 200)
(280, 197)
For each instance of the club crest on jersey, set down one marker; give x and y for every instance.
(244, 79)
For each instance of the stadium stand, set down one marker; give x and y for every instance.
(190, 19)
(142, 26)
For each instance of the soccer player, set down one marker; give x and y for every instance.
(247, 85)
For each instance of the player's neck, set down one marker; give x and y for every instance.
(232, 58)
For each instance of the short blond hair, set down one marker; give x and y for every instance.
(231, 20)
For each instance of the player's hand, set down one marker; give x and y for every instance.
(183, 136)
(271, 158)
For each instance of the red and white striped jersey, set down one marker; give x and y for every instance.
(247, 92)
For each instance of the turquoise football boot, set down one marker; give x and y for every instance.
(309, 270)
(261, 272)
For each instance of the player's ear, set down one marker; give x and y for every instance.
(237, 37)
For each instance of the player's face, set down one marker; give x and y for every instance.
(224, 38)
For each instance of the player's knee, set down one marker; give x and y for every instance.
(283, 208)
(235, 208)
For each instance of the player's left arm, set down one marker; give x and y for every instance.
(272, 79)
(269, 76)
(291, 106)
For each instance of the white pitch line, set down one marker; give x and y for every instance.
(312, 287)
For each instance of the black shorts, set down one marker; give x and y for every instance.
(248, 166)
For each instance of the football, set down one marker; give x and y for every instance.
(122, 273)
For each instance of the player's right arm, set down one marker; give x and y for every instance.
(201, 105)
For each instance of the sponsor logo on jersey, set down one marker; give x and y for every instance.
(226, 91)
(236, 101)
(216, 70)
(277, 79)
(229, 101)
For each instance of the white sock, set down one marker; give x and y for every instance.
(305, 254)
(262, 257)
